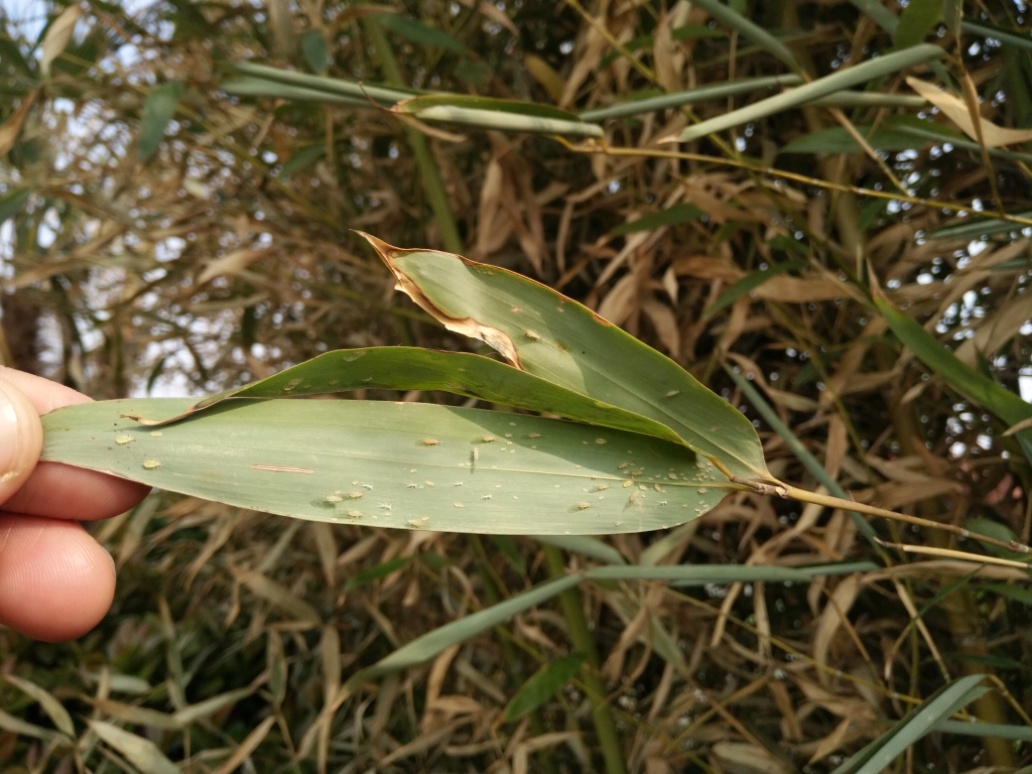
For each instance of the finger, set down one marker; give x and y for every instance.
(21, 439)
(44, 394)
(63, 492)
(52, 487)
(56, 582)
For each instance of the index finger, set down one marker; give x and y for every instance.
(61, 491)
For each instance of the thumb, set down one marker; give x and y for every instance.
(21, 439)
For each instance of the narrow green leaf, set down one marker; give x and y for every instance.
(140, 752)
(51, 706)
(878, 13)
(843, 79)
(503, 114)
(313, 46)
(749, 30)
(977, 387)
(429, 645)
(376, 573)
(413, 368)
(11, 55)
(919, 17)
(698, 575)
(748, 284)
(671, 216)
(319, 84)
(420, 34)
(21, 727)
(12, 201)
(880, 753)
(558, 340)
(999, 531)
(302, 159)
(691, 97)
(515, 107)
(543, 685)
(584, 545)
(403, 465)
(980, 227)
(868, 99)
(986, 730)
(248, 86)
(202, 710)
(890, 135)
(158, 110)
(648, 42)
(1009, 37)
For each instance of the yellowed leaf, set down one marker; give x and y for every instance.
(232, 263)
(955, 109)
(466, 326)
(57, 37)
(665, 322)
(12, 127)
(542, 72)
(832, 741)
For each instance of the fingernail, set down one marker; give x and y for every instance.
(10, 433)
(18, 436)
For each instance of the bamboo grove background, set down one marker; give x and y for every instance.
(170, 227)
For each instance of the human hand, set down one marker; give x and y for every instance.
(56, 581)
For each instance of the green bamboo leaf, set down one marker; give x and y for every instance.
(16, 725)
(385, 464)
(313, 46)
(413, 368)
(48, 702)
(691, 97)
(749, 283)
(1010, 37)
(880, 753)
(429, 645)
(12, 201)
(749, 30)
(987, 730)
(843, 79)
(648, 42)
(377, 572)
(416, 105)
(417, 32)
(248, 86)
(671, 216)
(917, 20)
(976, 387)
(490, 113)
(555, 338)
(303, 158)
(543, 685)
(140, 752)
(158, 110)
(980, 228)
(276, 80)
(893, 134)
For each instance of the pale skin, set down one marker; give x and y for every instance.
(56, 581)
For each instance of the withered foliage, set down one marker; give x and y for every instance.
(215, 249)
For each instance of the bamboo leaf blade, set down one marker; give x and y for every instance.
(1006, 405)
(401, 465)
(822, 87)
(880, 753)
(415, 368)
(557, 339)
(689, 97)
(488, 113)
